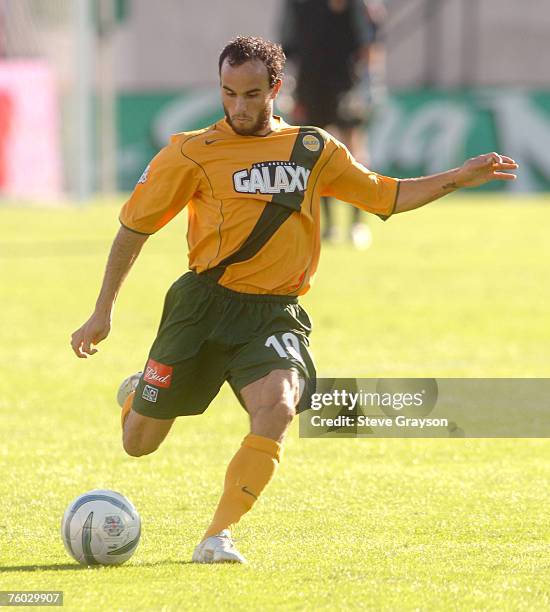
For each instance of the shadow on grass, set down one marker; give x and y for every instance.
(42, 568)
(74, 566)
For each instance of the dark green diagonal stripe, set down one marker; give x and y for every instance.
(278, 210)
(301, 156)
(269, 222)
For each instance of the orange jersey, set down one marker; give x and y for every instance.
(253, 201)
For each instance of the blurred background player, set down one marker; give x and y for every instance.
(338, 60)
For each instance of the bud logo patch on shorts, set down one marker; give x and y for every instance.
(150, 393)
(158, 374)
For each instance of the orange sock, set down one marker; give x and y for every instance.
(126, 408)
(247, 475)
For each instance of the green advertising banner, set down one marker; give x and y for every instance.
(412, 133)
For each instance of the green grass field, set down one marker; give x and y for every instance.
(459, 288)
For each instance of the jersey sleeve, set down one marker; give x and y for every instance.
(164, 189)
(344, 178)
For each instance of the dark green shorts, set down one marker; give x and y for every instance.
(208, 335)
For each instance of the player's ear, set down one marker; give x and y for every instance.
(276, 88)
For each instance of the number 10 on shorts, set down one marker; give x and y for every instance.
(287, 348)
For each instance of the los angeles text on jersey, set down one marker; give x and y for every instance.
(272, 177)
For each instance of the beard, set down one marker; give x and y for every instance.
(260, 125)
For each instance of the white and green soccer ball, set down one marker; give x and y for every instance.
(101, 527)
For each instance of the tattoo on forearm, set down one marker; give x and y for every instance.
(452, 185)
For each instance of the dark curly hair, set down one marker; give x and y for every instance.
(245, 48)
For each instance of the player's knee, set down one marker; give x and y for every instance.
(277, 416)
(135, 446)
(282, 412)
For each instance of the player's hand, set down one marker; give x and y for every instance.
(485, 168)
(84, 339)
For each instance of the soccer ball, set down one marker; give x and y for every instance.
(101, 527)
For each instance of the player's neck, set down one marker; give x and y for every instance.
(270, 127)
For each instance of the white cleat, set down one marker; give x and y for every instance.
(218, 548)
(127, 386)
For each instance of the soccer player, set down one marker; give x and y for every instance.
(251, 185)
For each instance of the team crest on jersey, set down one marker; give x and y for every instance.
(311, 143)
(145, 175)
(272, 177)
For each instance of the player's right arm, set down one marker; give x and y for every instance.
(124, 251)
(162, 192)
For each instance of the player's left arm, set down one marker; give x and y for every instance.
(416, 192)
